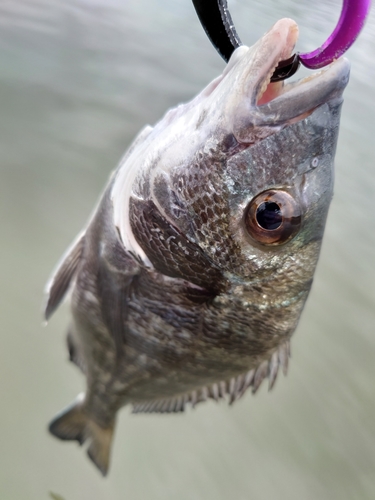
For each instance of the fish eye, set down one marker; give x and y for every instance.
(273, 217)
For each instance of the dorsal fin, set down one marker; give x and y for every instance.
(234, 388)
(59, 283)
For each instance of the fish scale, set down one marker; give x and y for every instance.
(209, 211)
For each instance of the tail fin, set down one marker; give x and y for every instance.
(74, 424)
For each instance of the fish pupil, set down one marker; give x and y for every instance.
(269, 215)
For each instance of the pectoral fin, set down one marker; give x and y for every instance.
(62, 277)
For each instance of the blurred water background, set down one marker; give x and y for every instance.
(78, 79)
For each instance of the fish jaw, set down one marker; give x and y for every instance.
(251, 103)
(295, 101)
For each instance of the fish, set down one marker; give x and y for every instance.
(190, 277)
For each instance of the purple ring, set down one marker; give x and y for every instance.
(351, 22)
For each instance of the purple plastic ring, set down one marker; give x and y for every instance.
(351, 22)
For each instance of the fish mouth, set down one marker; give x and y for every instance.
(294, 101)
(281, 103)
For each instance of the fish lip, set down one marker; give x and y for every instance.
(297, 99)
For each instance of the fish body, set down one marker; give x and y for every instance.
(191, 275)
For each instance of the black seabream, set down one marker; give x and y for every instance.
(189, 279)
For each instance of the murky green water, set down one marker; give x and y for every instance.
(78, 79)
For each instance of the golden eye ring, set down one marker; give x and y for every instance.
(273, 217)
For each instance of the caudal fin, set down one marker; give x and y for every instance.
(74, 424)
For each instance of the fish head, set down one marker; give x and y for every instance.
(241, 177)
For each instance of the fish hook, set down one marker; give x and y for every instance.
(218, 25)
